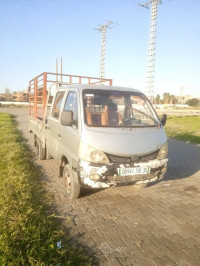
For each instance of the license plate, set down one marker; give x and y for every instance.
(133, 171)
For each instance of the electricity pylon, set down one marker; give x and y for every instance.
(150, 72)
(102, 29)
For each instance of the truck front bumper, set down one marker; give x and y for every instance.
(98, 175)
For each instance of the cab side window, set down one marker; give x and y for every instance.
(57, 104)
(71, 105)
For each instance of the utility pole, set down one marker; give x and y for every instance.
(56, 73)
(61, 70)
(61, 66)
(102, 29)
(150, 72)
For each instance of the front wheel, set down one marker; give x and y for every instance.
(71, 188)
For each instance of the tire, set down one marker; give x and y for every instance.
(48, 155)
(40, 151)
(71, 188)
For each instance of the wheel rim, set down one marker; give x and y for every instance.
(67, 178)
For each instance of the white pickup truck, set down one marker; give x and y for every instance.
(101, 135)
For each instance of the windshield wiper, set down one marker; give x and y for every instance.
(150, 117)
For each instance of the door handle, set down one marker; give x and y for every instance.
(59, 136)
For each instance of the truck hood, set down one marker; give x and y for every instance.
(125, 141)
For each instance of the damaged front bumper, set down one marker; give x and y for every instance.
(98, 175)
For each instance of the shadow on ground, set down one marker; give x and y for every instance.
(184, 159)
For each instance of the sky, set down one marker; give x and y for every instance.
(34, 33)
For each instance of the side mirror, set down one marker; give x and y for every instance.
(163, 119)
(67, 118)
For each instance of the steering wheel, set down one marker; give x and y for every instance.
(126, 122)
(129, 121)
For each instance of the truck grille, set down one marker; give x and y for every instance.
(134, 158)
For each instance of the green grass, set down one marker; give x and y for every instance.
(185, 128)
(28, 235)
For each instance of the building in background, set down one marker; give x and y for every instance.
(20, 96)
(2, 97)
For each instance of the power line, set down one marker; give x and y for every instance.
(58, 11)
(52, 11)
(77, 9)
(60, 4)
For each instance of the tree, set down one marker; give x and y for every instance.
(8, 95)
(157, 99)
(193, 102)
(173, 99)
(166, 97)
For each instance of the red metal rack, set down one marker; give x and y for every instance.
(38, 88)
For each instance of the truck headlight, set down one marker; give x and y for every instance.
(90, 154)
(163, 152)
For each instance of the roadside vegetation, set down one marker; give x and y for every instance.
(168, 98)
(185, 128)
(29, 235)
(14, 105)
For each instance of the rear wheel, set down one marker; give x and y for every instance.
(40, 151)
(48, 155)
(72, 189)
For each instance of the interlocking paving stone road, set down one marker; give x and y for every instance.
(157, 225)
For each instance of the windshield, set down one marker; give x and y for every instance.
(104, 108)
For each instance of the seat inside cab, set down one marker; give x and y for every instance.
(99, 115)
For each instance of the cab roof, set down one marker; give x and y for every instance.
(82, 87)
